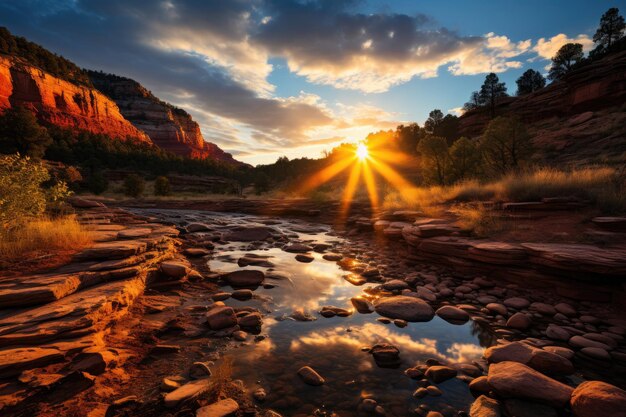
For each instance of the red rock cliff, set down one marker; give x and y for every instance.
(170, 128)
(62, 103)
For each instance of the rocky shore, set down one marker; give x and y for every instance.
(139, 324)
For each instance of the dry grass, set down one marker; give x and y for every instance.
(477, 219)
(42, 237)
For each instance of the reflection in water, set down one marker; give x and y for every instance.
(334, 346)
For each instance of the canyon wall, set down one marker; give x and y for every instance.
(62, 103)
(169, 127)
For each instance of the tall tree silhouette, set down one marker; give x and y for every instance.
(611, 28)
(530, 81)
(491, 90)
(435, 118)
(568, 56)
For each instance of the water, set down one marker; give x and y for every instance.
(333, 346)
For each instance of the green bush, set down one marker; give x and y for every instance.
(97, 183)
(21, 133)
(134, 185)
(161, 186)
(22, 194)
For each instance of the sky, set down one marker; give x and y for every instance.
(271, 78)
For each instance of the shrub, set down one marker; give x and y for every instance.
(21, 190)
(97, 183)
(161, 186)
(21, 133)
(505, 146)
(477, 219)
(134, 185)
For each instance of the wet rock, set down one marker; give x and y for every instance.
(550, 363)
(544, 309)
(245, 278)
(566, 309)
(596, 353)
(310, 376)
(406, 308)
(440, 373)
(557, 333)
(386, 355)
(305, 258)
(452, 314)
(240, 335)
(517, 303)
(301, 315)
(497, 308)
(434, 391)
(255, 260)
(196, 252)
(596, 398)
(519, 408)
(565, 352)
(220, 296)
(298, 248)
(199, 370)
(362, 305)
(368, 405)
(519, 321)
(515, 380)
(333, 257)
(248, 234)
(197, 227)
(414, 373)
(420, 393)
(582, 342)
(169, 385)
(331, 311)
(174, 269)
(242, 295)
(400, 323)
(222, 408)
(479, 386)
(514, 351)
(221, 317)
(485, 407)
(251, 320)
(395, 285)
(187, 392)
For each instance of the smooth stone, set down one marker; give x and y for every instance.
(245, 278)
(596, 398)
(557, 333)
(440, 373)
(174, 269)
(386, 355)
(242, 295)
(566, 309)
(582, 342)
(187, 392)
(497, 308)
(199, 370)
(305, 258)
(222, 408)
(516, 302)
(479, 385)
(543, 308)
(519, 321)
(515, 380)
(514, 351)
(310, 376)
(221, 317)
(406, 308)
(596, 353)
(453, 314)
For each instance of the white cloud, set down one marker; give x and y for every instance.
(547, 48)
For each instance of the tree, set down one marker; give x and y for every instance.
(567, 56)
(491, 90)
(134, 185)
(611, 28)
(505, 145)
(530, 81)
(474, 102)
(408, 137)
(448, 128)
(21, 133)
(161, 186)
(465, 159)
(435, 158)
(435, 118)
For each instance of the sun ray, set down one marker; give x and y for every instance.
(326, 174)
(370, 183)
(353, 181)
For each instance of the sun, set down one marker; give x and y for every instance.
(361, 151)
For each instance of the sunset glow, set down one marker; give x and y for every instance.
(362, 152)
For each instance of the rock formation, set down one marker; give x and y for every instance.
(62, 103)
(169, 127)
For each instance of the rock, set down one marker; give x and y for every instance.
(368, 405)
(582, 342)
(405, 308)
(310, 376)
(174, 269)
(517, 303)
(80, 202)
(240, 335)
(434, 391)
(332, 257)
(544, 309)
(414, 373)
(242, 295)
(196, 252)
(199, 370)
(187, 392)
(519, 408)
(395, 285)
(596, 353)
(440, 373)
(566, 309)
(298, 248)
(362, 305)
(305, 258)
(515, 380)
(519, 321)
(197, 227)
(497, 308)
(94, 361)
(479, 385)
(248, 234)
(14, 361)
(220, 296)
(245, 278)
(557, 333)
(386, 355)
(301, 315)
(169, 385)
(550, 363)
(485, 407)
(596, 398)
(453, 314)
(163, 349)
(420, 393)
(565, 352)
(260, 395)
(514, 352)
(221, 317)
(222, 408)
(251, 320)
(123, 406)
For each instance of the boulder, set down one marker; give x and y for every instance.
(221, 317)
(174, 269)
(251, 320)
(485, 407)
(515, 380)
(514, 352)
(440, 373)
(405, 308)
(453, 314)
(596, 398)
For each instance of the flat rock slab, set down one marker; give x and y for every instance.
(579, 257)
(222, 408)
(404, 308)
(249, 234)
(14, 361)
(613, 224)
(113, 250)
(134, 233)
(38, 289)
(187, 392)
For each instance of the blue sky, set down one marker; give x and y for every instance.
(267, 78)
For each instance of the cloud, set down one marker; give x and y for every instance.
(456, 111)
(547, 48)
(328, 44)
